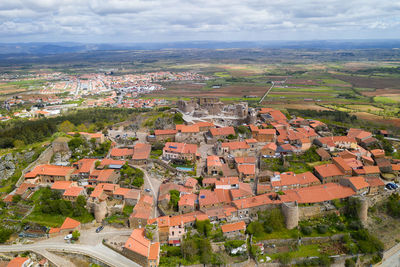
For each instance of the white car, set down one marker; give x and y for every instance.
(68, 237)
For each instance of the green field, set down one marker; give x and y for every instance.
(387, 99)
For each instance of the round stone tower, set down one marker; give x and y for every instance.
(100, 211)
(363, 209)
(291, 212)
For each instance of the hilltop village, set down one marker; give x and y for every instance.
(221, 175)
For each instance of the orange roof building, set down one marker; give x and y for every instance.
(141, 151)
(233, 227)
(121, 153)
(141, 249)
(19, 262)
(50, 173)
(224, 131)
(69, 224)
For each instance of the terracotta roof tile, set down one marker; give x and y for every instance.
(224, 131)
(238, 226)
(73, 191)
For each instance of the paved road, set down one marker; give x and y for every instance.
(99, 252)
(90, 244)
(393, 261)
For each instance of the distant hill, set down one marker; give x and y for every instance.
(60, 48)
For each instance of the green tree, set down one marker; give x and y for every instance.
(138, 182)
(204, 227)
(5, 234)
(273, 218)
(189, 249)
(81, 128)
(255, 228)
(16, 198)
(205, 251)
(75, 142)
(174, 199)
(76, 235)
(81, 201)
(66, 126)
(18, 143)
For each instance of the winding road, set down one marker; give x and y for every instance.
(90, 244)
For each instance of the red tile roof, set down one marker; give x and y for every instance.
(141, 151)
(187, 200)
(242, 160)
(50, 170)
(138, 243)
(23, 187)
(61, 185)
(224, 131)
(68, 224)
(73, 191)
(165, 132)
(247, 169)
(121, 152)
(289, 178)
(213, 161)
(358, 182)
(17, 262)
(105, 162)
(154, 251)
(328, 170)
(375, 181)
(270, 146)
(318, 193)
(181, 148)
(85, 165)
(236, 145)
(191, 182)
(238, 226)
(187, 128)
(378, 152)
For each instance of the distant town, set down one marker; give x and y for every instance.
(61, 92)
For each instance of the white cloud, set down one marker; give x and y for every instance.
(172, 20)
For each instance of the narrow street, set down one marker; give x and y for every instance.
(154, 185)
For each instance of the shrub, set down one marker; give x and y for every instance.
(349, 263)
(340, 226)
(322, 229)
(285, 258)
(306, 230)
(231, 244)
(174, 251)
(367, 242)
(324, 260)
(355, 225)
(268, 229)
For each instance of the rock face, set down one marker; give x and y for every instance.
(7, 166)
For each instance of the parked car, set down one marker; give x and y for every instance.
(393, 185)
(98, 230)
(389, 186)
(68, 237)
(147, 190)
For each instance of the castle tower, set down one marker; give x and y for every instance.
(363, 210)
(100, 211)
(291, 212)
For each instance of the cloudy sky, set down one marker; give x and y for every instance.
(109, 21)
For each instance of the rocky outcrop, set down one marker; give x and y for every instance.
(7, 166)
